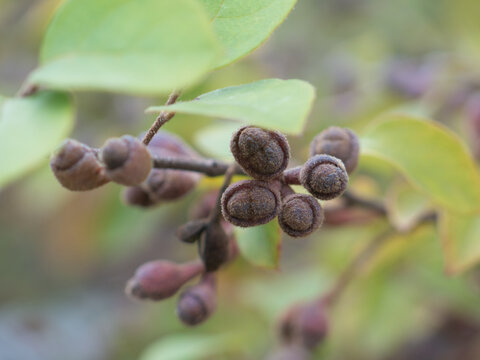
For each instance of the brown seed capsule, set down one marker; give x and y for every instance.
(77, 168)
(324, 177)
(250, 203)
(262, 154)
(137, 196)
(214, 247)
(338, 142)
(158, 280)
(306, 324)
(127, 160)
(197, 303)
(168, 185)
(192, 230)
(300, 215)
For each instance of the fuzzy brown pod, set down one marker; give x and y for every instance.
(77, 168)
(160, 279)
(168, 185)
(305, 324)
(339, 142)
(137, 196)
(250, 203)
(197, 303)
(300, 215)
(262, 154)
(127, 160)
(192, 230)
(324, 177)
(214, 246)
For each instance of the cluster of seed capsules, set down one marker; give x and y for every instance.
(260, 153)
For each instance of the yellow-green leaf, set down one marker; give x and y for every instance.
(273, 103)
(30, 129)
(433, 158)
(131, 46)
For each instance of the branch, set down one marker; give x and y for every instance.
(216, 212)
(355, 200)
(209, 167)
(162, 118)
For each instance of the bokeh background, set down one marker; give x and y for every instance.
(65, 257)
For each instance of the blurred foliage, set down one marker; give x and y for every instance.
(65, 257)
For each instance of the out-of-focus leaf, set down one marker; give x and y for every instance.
(142, 47)
(243, 25)
(188, 347)
(30, 129)
(273, 103)
(430, 156)
(214, 140)
(260, 245)
(460, 237)
(405, 206)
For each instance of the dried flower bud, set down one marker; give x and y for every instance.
(324, 177)
(158, 280)
(338, 142)
(197, 303)
(262, 154)
(290, 352)
(77, 168)
(192, 230)
(168, 185)
(250, 203)
(306, 324)
(172, 144)
(300, 215)
(127, 160)
(137, 196)
(214, 247)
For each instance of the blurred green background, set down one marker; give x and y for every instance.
(65, 257)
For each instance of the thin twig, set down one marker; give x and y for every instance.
(358, 263)
(209, 167)
(162, 118)
(217, 210)
(353, 199)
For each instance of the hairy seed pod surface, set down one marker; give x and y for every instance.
(214, 247)
(127, 160)
(137, 196)
(338, 142)
(300, 215)
(158, 280)
(324, 177)
(77, 168)
(197, 303)
(250, 203)
(262, 154)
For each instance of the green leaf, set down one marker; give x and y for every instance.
(243, 25)
(260, 245)
(188, 347)
(214, 140)
(405, 206)
(277, 104)
(460, 235)
(433, 158)
(30, 129)
(132, 46)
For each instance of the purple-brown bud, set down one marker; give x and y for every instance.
(137, 196)
(324, 177)
(127, 160)
(192, 230)
(158, 280)
(300, 215)
(250, 203)
(338, 142)
(262, 154)
(197, 303)
(77, 168)
(168, 185)
(305, 324)
(214, 247)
